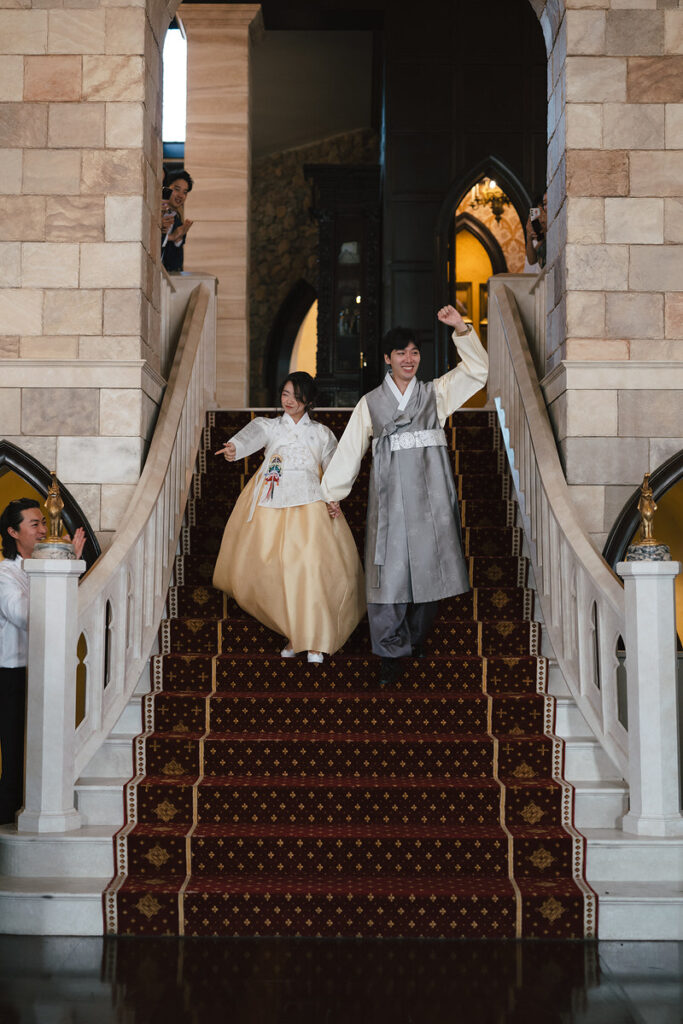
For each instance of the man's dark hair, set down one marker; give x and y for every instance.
(398, 337)
(305, 389)
(176, 175)
(10, 519)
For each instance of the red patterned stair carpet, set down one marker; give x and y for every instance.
(280, 798)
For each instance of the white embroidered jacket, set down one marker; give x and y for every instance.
(305, 449)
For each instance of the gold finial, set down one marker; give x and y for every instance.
(53, 508)
(647, 508)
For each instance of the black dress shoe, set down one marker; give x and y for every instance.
(388, 671)
(418, 651)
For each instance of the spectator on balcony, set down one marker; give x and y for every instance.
(536, 229)
(22, 525)
(174, 230)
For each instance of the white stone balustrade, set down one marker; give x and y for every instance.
(586, 612)
(50, 718)
(651, 665)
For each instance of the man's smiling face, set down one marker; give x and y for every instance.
(404, 363)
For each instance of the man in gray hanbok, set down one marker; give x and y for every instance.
(413, 551)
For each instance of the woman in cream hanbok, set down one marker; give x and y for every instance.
(283, 558)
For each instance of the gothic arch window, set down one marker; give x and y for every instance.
(15, 461)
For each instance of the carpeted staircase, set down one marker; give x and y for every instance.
(279, 798)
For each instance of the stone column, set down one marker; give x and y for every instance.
(653, 742)
(217, 155)
(615, 174)
(80, 119)
(51, 707)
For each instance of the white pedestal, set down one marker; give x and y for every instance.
(655, 804)
(50, 713)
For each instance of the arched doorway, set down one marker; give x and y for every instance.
(286, 331)
(22, 476)
(498, 240)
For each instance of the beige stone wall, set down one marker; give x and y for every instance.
(284, 236)
(217, 154)
(615, 306)
(79, 297)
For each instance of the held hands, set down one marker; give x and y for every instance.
(450, 316)
(229, 451)
(334, 509)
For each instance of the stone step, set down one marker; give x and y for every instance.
(569, 721)
(586, 761)
(86, 852)
(612, 854)
(99, 800)
(130, 722)
(114, 758)
(51, 906)
(599, 804)
(639, 910)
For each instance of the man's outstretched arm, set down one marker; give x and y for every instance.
(340, 475)
(469, 376)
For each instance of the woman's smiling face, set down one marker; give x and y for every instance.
(293, 406)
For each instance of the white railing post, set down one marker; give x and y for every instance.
(50, 716)
(651, 664)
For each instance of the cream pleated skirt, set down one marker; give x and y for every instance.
(294, 569)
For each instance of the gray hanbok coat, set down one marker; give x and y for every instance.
(413, 550)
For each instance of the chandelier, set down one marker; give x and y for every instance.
(487, 193)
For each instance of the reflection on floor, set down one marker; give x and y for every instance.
(263, 981)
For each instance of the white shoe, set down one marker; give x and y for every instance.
(315, 659)
(288, 652)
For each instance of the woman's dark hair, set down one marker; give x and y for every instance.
(305, 389)
(398, 337)
(10, 519)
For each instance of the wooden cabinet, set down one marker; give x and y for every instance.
(346, 204)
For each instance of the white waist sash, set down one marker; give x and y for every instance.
(418, 439)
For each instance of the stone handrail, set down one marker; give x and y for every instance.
(581, 598)
(120, 602)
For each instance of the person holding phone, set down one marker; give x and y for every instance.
(536, 228)
(174, 226)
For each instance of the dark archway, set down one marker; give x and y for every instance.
(35, 473)
(514, 188)
(282, 335)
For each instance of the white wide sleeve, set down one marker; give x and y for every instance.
(255, 435)
(469, 376)
(343, 469)
(329, 447)
(13, 601)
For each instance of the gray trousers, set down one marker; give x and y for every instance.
(395, 629)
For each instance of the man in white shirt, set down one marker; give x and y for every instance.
(22, 525)
(413, 553)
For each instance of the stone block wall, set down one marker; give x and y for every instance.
(615, 241)
(284, 235)
(80, 119)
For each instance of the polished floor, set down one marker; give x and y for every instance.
(282, 981)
